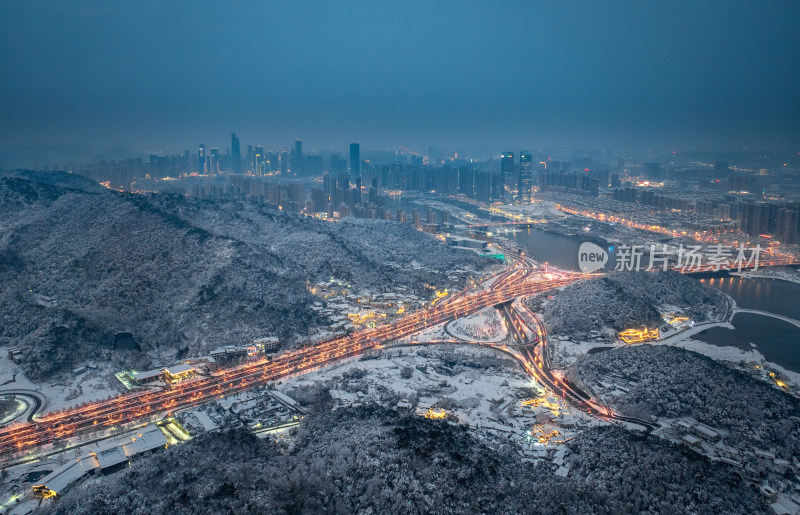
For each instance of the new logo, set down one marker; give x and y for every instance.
(591, 257)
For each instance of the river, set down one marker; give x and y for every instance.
(778, 341)
(556, 249)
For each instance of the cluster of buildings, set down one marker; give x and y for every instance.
(110, 456)
(758, 465)
(611, 214)
(348, 311)
(166, 375)
(160, 376)
(639, 335)
(706, 196)
(778, 219)
(258, 347)
(261, 411)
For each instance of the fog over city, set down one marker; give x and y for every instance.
(399, 257)
(157, 77)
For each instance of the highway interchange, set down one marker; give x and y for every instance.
(519, 280)
(522, 279)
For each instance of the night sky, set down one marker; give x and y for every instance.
(164, 76)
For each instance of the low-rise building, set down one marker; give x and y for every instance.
(179, 372)
(690, 440)
(706, 433)
(118, 452)
(148, 376)
(267, 344)
(61, 478)
(639, 336)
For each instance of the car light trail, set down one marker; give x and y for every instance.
(125, 409)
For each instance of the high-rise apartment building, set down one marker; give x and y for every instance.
(507, 168)
(236, 154)
(201, 159)
(355, 159)
(525, 178)
(297, 161)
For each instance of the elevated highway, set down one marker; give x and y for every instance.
(125, 410)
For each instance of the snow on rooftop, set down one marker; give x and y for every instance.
(65, 475)
(147, 374)
(111, 457)
(146, 440)
(180, 369)
(283, 398)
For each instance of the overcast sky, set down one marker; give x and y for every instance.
(587, 74)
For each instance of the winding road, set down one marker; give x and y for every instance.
(522, 279)
(118, 412)
(36, 401)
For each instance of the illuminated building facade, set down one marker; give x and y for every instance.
(525, 178)
(639, 336)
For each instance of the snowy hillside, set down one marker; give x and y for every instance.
(182, 276)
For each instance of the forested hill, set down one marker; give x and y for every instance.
(621, 300)
(79, 265)
(670, 382)
(373, 460)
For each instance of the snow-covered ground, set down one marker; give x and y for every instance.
(732, 354)
(484, 326)
(479, 386)
(568, 351)
(434, 333)
(94, 384)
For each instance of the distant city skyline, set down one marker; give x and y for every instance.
(209, 151)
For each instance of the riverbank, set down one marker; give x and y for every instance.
(787, 274)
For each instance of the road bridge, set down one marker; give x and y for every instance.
(792, 321)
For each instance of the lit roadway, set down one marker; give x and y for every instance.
(140, 407)
(532, 354)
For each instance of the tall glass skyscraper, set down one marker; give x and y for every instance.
(525, 178)
(236, 154)
(297, 162)
(507, 169)
(201, 159)
(355, 160)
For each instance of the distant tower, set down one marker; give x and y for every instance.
(236, 154)
(507, 168)
(355, 159)
(213, 165)
(297, 157)
(201, 159)
(525, 178)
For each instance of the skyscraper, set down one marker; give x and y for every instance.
(466, 180)
(201, 159)
(297, 158)
(213, 163)
(786, 230)
(507, 168)
(525, 178)
(355, 160)
(236, 154)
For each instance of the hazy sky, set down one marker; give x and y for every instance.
(167, 75)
